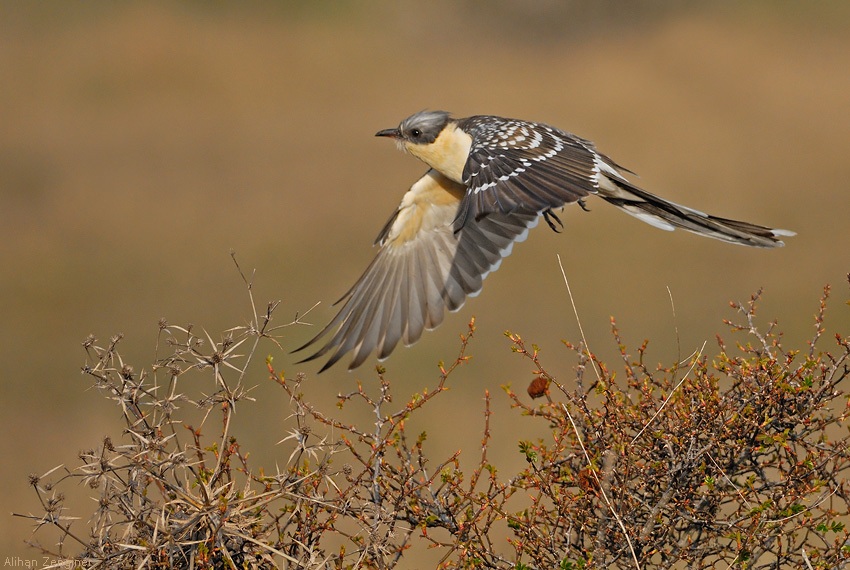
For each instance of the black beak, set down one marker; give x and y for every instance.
(392, 133)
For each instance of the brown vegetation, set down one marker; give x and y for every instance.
(728, 461)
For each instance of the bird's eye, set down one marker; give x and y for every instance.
(415, 133)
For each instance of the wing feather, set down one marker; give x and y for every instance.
(523, 167)
(517, 166)
(423, 268)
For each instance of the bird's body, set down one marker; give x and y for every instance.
(489, 181)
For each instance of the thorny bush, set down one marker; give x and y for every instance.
(734, 461)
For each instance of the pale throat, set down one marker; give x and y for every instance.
(447, 154)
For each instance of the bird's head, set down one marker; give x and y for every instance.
(420, 129)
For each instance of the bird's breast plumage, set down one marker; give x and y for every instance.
(430, 203)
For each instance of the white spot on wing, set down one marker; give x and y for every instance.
(600, 166)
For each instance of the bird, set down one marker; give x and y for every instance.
(489, 181)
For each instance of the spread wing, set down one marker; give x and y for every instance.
(518, 166)
(426, 264)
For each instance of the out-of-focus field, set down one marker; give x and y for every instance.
(139, 143)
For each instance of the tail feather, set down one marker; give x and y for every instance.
(668, 215)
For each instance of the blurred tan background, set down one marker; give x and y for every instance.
(140, 143)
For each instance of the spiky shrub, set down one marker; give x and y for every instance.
(738, 461)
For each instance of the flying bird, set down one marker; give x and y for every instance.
(489, 181)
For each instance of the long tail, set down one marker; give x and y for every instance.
(668, 215)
